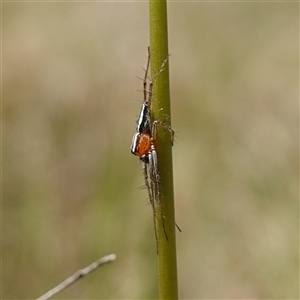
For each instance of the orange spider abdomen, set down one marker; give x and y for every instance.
(141, 144)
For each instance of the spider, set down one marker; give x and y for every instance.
(143, 145)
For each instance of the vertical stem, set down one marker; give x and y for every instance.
(167, 265)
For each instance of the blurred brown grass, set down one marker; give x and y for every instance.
(71, 188)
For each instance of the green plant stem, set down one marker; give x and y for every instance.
(167, 265)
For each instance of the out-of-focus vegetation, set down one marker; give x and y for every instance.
(71, 188)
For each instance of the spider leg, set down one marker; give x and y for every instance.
(150, 190)
(161, 68)
(152, 80)
(167, 127)
(155, 178)
(146, 76)
(179, 229)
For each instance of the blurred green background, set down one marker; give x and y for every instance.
(71, 188)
